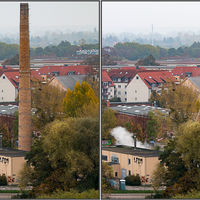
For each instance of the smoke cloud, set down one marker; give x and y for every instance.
(124, 137)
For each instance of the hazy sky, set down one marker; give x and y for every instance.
(138, 17)
(50, 16)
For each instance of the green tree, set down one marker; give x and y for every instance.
(109, 122)
(65, 157)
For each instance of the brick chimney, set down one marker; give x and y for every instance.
(25, 131)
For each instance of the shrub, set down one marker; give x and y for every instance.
(133, 180)
(3, 180)
(72, 194)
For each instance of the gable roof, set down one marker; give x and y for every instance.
(122, 73)
(13, 77)
(156, 77)
(182, 71)
(70, 80)
(105, 76)
(195, 81)
(64, 70)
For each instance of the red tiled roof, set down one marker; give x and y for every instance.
(181, 71)
(63, 70)
(105, 76)
(13, 76)
(122, 73)
(156, 77)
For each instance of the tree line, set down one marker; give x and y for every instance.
(64, 48)
(134, 51)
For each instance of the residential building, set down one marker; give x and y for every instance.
(107, 86)
(48, 72)
(140, 87)
(127, 161)
(121, 78)
(186, 71)
(9, 85)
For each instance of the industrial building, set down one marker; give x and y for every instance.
(127, 161)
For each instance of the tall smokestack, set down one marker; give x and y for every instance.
(25, 132)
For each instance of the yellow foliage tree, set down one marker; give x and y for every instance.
(81, 102)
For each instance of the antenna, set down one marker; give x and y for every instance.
(152, 35)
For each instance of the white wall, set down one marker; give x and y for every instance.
(137, 91)
(122, 91)
(8, 93)
(111, 92)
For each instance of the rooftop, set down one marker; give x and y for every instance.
(8, 110)
(195, 81)
(138, 109)
(70, 80)
(132, 151)
(12, 152)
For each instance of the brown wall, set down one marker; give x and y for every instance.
(144, 169)
(11, 167)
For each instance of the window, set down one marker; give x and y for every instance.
(119, 93)
(4, 77)
(129, 161)
(135, 98)
(119, 79)
(114, 159)
(125, 92)
(2, 90)
(129, 172)
(104, 157)
(119, 86)
(110, 96)
(116, 174)
(137, 77)
(125, 86)
(126, 80)
(135, 91)
(125, 99)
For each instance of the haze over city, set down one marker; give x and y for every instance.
(50, 16)
(138, 17)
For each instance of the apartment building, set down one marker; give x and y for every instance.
(126, 161)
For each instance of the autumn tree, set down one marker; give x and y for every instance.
(65, 157)
(81, 102)
(181, 159)
(180, 100)
(47, 104)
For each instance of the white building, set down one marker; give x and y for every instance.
(121, 78)
(9, 86)
(140, 87)
(107, 86)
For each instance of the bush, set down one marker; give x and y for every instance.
(3, 180)
(72, 194)
(133, 180)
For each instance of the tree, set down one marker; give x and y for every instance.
(47, 102)
(147, 61)
(180, 100)
(65, 157)
(109, 122)
(80, 102)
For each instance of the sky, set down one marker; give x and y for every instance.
(50, 16)
(138, 17)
